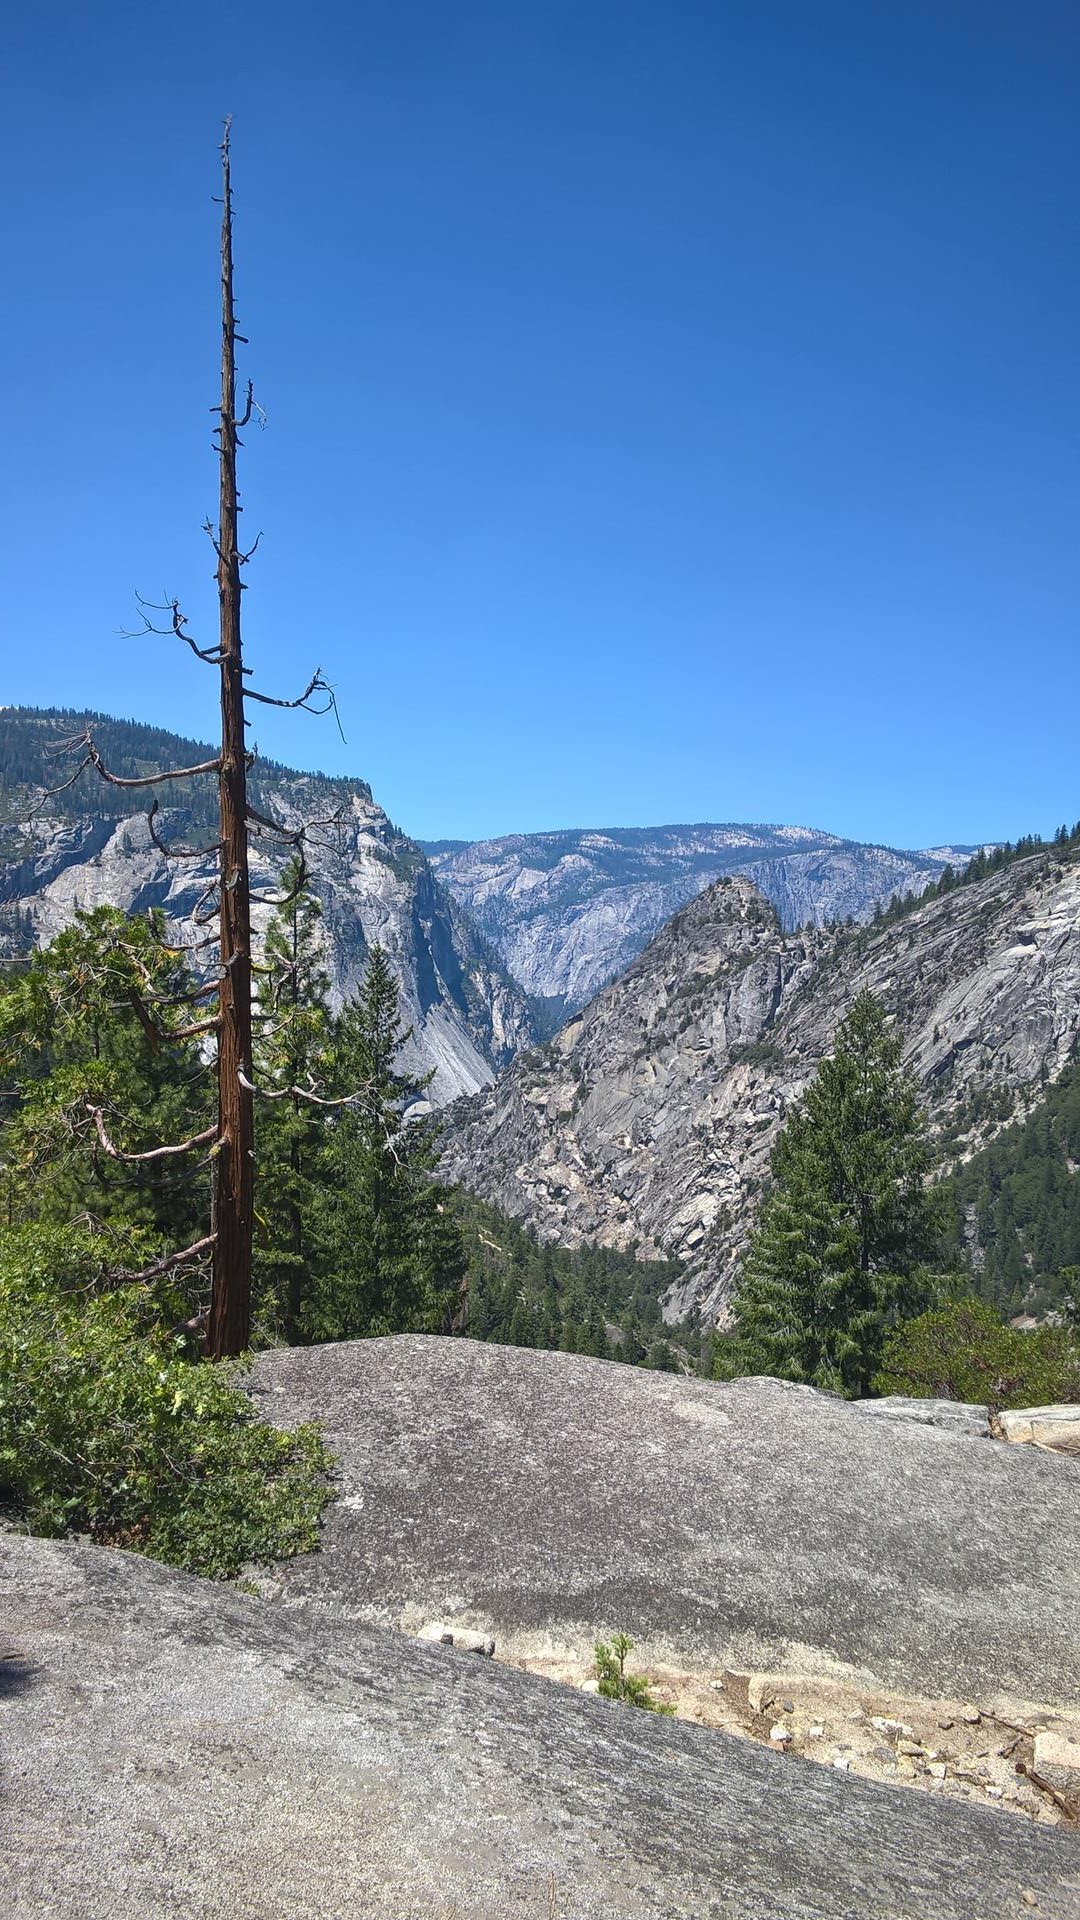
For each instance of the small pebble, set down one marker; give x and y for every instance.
(994, 1793)
(1028, 1897)
(815, 1733)
(780, 1735)
(787, 1706)
(841, 1762)
(936, 1769)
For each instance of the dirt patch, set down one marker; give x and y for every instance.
(958, 1749)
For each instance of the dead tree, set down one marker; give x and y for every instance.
(229, 898)
(230, 1302)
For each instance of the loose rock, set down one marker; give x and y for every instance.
(1057, 1760)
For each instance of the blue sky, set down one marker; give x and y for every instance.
(672, 407)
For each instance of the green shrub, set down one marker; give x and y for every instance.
(963, 1352)
(109, 1428)
(616, 1683)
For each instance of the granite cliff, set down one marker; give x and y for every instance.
(567, 912)
(91, 846)
(649, 1118)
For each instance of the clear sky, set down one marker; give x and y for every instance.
(672, 405)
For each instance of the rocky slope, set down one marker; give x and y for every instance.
(649, 1119)
(569, 911)
(173, 1748)
(91, 846)
(531, 1494)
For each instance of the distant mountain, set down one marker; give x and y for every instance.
(567, 912)
(90, 846)
(649, 1119)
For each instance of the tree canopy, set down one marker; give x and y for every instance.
(847, 1225)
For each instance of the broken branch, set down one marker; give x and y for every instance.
(186, 1257)
(153, 1153)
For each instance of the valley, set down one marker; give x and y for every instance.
(567, 912)
(648, 1120)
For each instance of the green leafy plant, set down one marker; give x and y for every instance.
(109, 1428)
(616, 1683)
(963, 1352)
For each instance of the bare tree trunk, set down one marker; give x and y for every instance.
(232, 1201)
(230, 1302)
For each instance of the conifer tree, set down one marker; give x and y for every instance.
(394, 1256)
(293, 1052)
(837, 1251)
(93, 1077)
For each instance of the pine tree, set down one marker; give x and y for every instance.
(393, 1250)
(292, 1055)
(842, 1235)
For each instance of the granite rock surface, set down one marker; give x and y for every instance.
(550, 1500)
(567, 912)
(173, 1748)
(649, 1119)
(376, 886)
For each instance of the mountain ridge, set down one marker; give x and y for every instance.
(90, 845)
(648, 1120)
(569, 910)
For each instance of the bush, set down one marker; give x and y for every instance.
(616, 1683)
(963, 1352)
(109, 1428)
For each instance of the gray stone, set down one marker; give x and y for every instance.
(375, 885)
(650, 1119)
(172, 1748)
(953, 1415)
(569, 911)
(557, 1499)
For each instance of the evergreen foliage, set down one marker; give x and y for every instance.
(108, 1428)
(80, 1028)
(963, 1352)
(591, 1300)
(1065, 845)
(29, 762)
(842, 1237)
(1013, 1219)
(394, 1258)
(614, 1681)
(294, 1054)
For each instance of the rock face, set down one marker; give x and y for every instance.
(650, 1117)
(548, 1500)
(172, 1748)
(569, 911)
(1057, 1429)
(375, 884)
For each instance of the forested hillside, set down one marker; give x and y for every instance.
(1014, 1217)
(33, 757)
(592, 1300)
